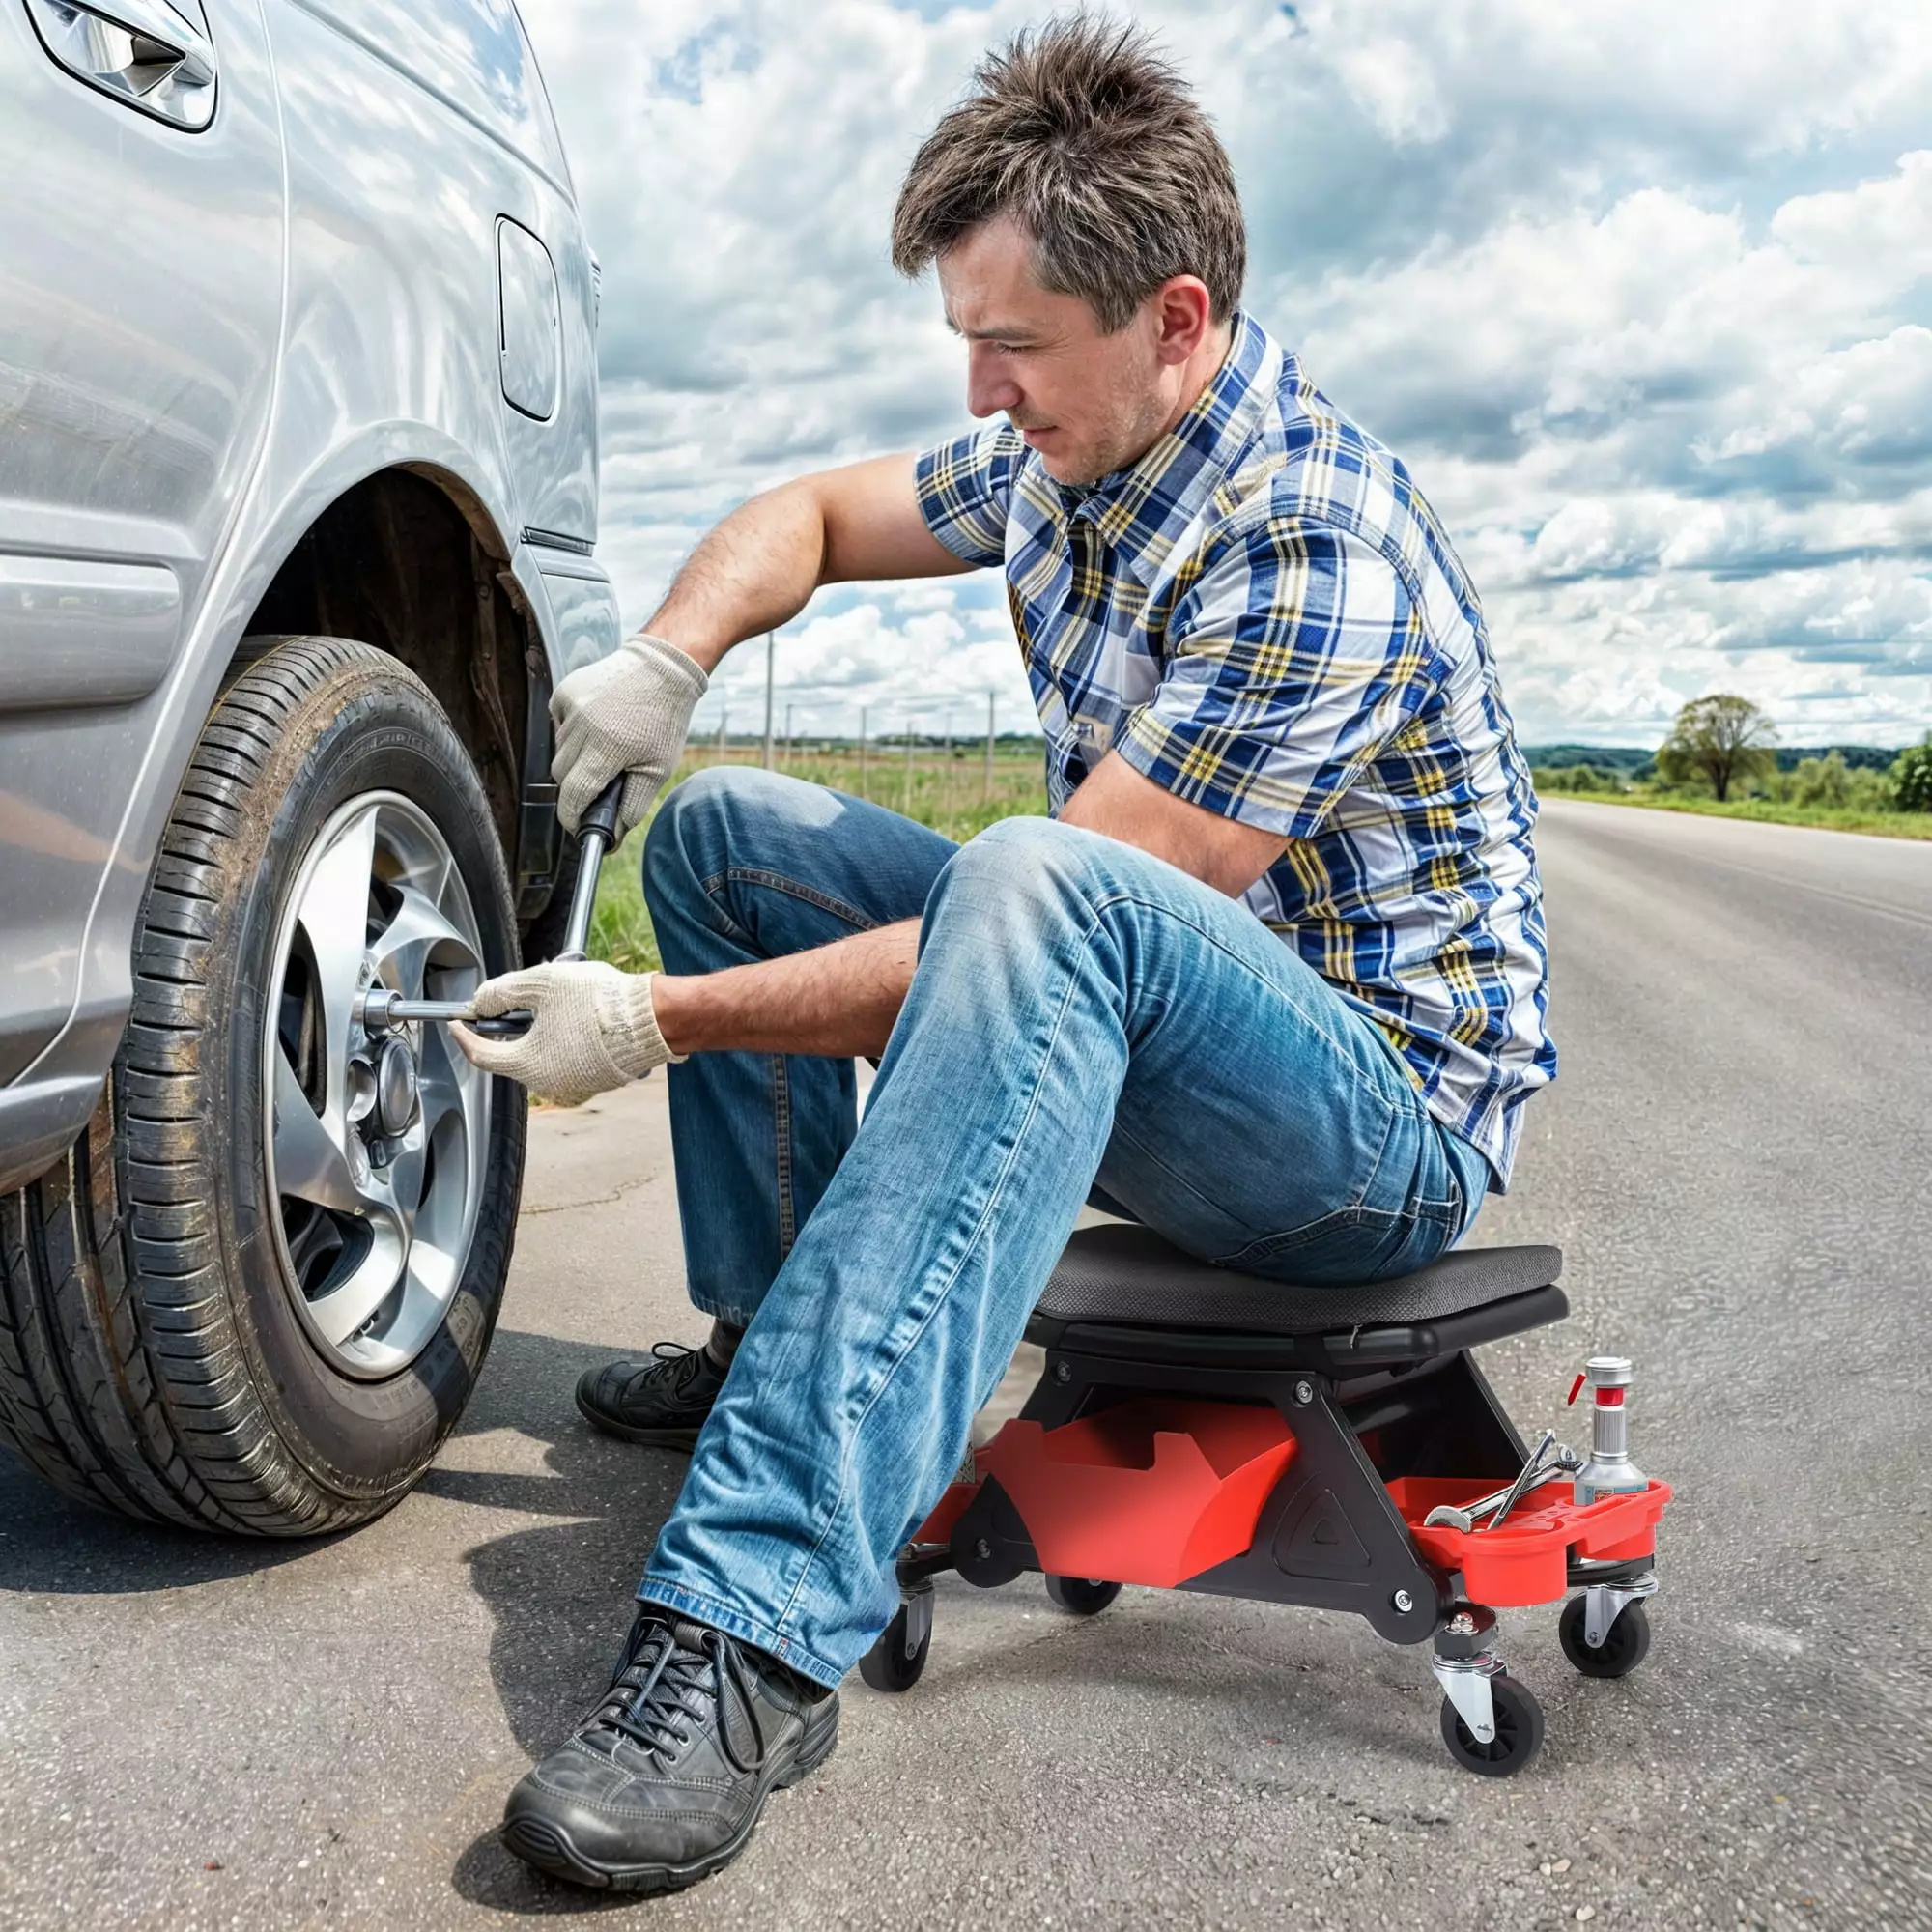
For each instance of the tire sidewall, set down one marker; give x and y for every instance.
(372, 728)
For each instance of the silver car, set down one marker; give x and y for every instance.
(297, 502)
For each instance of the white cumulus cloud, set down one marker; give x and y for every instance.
(1642, 295)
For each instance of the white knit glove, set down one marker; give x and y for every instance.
(625, 713)
(595, 1029)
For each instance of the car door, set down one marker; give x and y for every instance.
(141, 257)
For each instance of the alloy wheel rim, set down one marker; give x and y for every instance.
(373, 1146)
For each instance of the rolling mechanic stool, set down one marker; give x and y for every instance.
(1201, 1430)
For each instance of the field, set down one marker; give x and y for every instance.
(948, 794)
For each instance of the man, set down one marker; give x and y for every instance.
(1272, 980)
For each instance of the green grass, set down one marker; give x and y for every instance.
(1770, 811)
(946, 794)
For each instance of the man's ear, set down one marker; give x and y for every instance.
(1183, 314)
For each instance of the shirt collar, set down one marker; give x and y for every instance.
(1142, 510)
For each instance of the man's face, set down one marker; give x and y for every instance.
(1087, 402)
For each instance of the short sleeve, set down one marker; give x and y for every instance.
(965, 489)
(1292, 660)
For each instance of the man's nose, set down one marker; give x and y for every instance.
(989, 389)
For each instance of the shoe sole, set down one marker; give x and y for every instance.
(627, 1432)
(540, 1843)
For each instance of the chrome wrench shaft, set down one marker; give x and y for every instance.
(383, 1009)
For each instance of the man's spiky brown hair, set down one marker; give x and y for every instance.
(1094, 144)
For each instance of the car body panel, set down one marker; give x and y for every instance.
(143, 270)
(370, 341)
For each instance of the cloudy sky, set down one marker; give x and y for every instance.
(1642, 292)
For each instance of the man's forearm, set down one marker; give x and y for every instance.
(839, 1000)
(753, 571)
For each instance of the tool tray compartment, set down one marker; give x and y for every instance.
(1527, 1560)
(1153, 1491)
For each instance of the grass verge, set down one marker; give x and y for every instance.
(1769, 812)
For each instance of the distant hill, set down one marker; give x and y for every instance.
(1631, 757)
(1610, 757)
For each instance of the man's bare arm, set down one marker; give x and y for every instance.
(758, 568)
(839, 1000)
(1127, 805)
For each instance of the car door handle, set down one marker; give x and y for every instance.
(146, 51)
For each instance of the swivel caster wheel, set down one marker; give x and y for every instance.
(896, 1661)
(1080, 1596)
(1519, 1720)
(1625, 1645)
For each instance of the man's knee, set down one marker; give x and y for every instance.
(1016, 882)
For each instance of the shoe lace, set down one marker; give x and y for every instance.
(650, 1700)
(672, 1362)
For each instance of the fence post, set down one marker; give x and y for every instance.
(771, 647)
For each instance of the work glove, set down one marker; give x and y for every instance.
(625, 713)
(595, 1029)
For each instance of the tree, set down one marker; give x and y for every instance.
(1822, 782)
(1911, 776)
(1721, 740)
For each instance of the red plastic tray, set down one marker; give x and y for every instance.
(1526, 1561)
(1153, 1490)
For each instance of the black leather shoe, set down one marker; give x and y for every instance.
(662, 1402)
(662, 1783)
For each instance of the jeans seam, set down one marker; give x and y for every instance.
(938, 1301)
(782, 1155)
(713, 888)
(754, 875)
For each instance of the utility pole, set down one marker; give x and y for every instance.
(990, 701)
(946, 770)
(862, 793)
(771, 649)
(787, 752)
(908, 770)
(723, 718)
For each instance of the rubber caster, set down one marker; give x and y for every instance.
(896, 1660)
(1080, 1596)
(1519, 1732)
(1623, 1649)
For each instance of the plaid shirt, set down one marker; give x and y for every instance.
(1263, 615)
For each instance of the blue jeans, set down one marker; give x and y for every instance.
(1084, 1018)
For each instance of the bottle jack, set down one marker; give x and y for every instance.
(1610, 1471)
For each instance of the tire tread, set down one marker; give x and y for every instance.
(121, 1380)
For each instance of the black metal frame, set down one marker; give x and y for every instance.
(1365, 1405)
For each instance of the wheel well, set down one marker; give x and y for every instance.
(396, 562)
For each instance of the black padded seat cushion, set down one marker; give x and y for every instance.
(1127, 1274)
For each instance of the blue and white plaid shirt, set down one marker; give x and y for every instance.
(1263, 615)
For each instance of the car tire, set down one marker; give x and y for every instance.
(159, 1348)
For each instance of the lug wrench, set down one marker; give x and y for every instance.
(381, 1009)
(1501, 1501)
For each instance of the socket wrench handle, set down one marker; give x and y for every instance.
(595, 836)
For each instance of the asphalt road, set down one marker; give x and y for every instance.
(1734, 1162)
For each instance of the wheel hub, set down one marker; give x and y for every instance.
(374, 1145)
(396, 1094)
